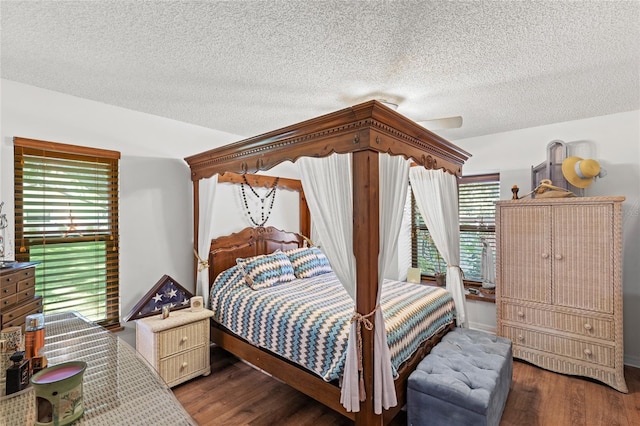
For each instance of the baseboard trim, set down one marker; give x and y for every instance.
(632, 360)
(482, 327)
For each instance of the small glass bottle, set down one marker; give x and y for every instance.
(18, 374)
(33, 335)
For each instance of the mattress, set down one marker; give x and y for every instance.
(307, 321)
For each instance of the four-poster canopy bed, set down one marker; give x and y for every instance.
(365, 131)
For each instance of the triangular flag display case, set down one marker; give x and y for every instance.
(167, 291)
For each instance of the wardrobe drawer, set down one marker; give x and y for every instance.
(586, 325)
(561, 345)
(182, 338)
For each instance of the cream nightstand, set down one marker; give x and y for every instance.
(178, 346)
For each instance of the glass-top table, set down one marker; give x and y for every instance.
(119, 387)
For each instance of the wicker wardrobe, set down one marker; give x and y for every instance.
(559, 284)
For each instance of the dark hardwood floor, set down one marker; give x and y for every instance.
(237, 394)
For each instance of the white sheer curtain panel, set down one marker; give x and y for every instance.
(206, 197)
(394, 180)
(488, 266)
(328, 185)
(436, 195)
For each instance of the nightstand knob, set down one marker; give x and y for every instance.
(521, 314)
(587, 352)
(587, 326)
(520, 338)
(184, 364)
(184, 339)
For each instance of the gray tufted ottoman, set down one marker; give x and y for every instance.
(465, 380)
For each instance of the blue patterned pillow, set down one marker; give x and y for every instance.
(325, 266)
(266, 270)
(306, 262)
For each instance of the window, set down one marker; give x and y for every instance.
(66, 218)
(476, 199)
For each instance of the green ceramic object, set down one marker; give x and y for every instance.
(58, 391)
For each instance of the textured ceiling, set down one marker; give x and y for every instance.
(248, 67)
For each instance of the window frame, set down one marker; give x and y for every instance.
(490, 228)
(104, 235)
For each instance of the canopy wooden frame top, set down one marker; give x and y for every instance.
(365, 130)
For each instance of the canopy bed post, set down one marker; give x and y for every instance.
(196, 219)
(366, 241)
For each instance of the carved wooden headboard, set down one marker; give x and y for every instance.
(224, 250)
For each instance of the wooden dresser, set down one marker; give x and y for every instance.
(18, 294)
(178, 346)
(559, 284)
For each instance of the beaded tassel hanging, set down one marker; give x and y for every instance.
(269, 197)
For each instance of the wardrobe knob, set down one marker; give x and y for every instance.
(521, 314)
(587, 326)
(184, 364)
(558, 257)
(587, 352)
(545, 255)
(184, 339)
(520, 338)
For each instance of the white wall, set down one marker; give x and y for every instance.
(155, 188)
(613, 140)
(155, 205)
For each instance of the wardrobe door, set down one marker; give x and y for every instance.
(583, 257)
(525, 248)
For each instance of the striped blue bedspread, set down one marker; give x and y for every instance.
(307, 320)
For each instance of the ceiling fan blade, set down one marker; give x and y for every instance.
(442, 123)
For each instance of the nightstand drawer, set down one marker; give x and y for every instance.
(182, 338)
(560, 345)
(185, 364)
(178, 346)
(586, 325)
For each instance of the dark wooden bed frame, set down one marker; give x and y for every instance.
(365, 130)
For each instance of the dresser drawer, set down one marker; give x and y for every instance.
(16, 316)
(7, 302)
(26, 284)
(176, 367)
(14, 277)
(561, 345)
(182, 338)
(586, 325)
(27, 294)
(8, 289)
